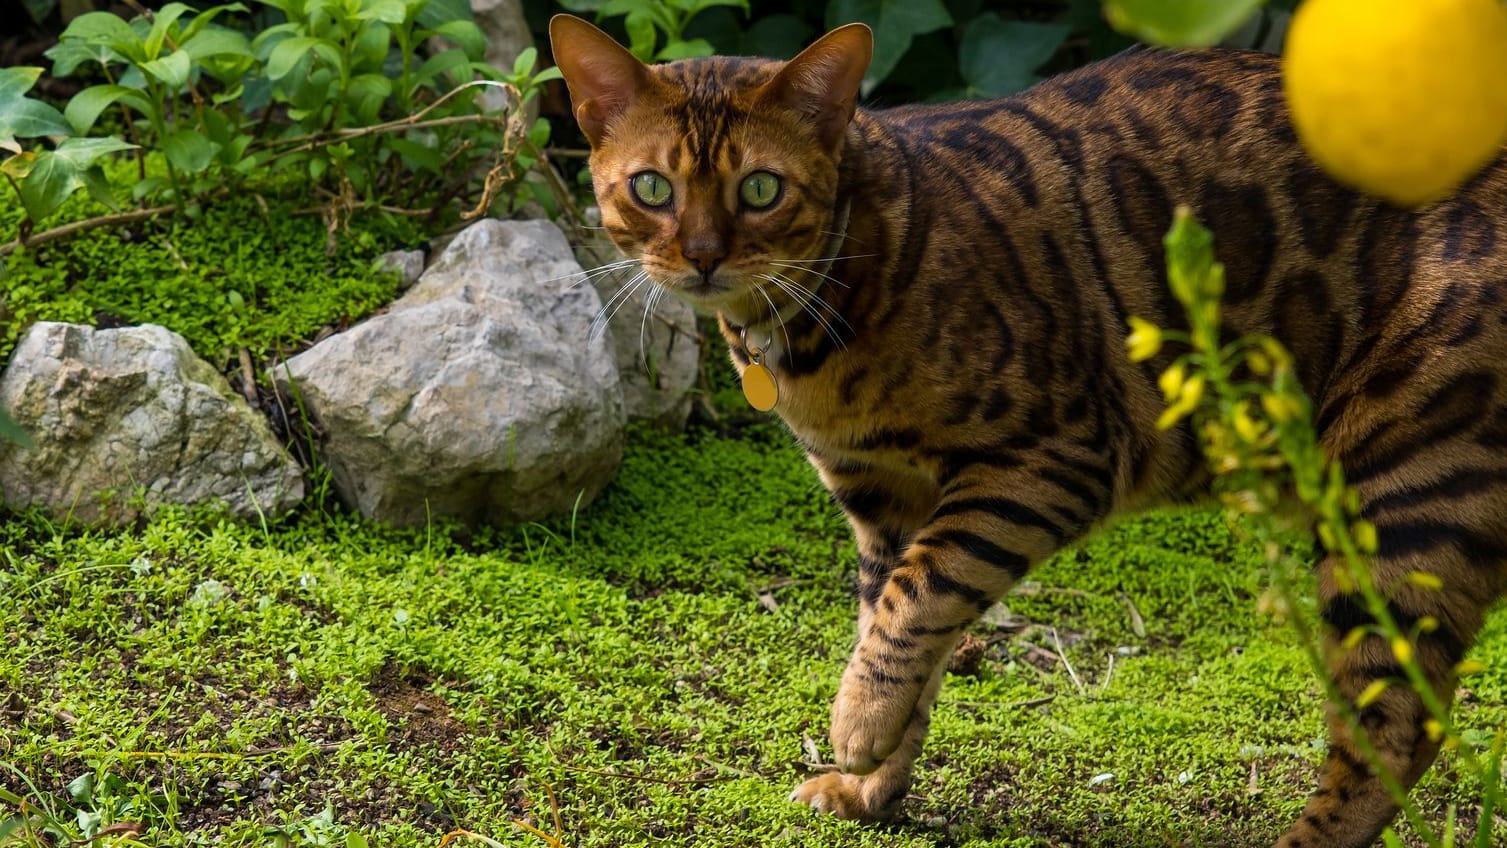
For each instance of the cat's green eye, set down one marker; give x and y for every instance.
(651, 188)
(760, 189)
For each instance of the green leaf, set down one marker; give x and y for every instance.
(66, 56)
(48, 182)
(524, 64)
(286, 55)
(465, 35)
(203, 19)
(438, 64)
(436, 12)
(100, 188)
(1180, 23)
(39, 10)
(686, 49)
(895, 23)
(999, 57)
(84, 152)
(777, 36)
(697, 6)
(172, 70)
(86, 106)
(366, 94)
(641, 35)
(22, 117)
(162, 23)
(418, 156)
(217, 41)
(386, 11)
(100, 28)
(188, 150)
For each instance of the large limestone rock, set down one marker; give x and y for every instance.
(130, 419)
(655, 342)
(477, 395)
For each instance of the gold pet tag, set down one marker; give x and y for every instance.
(759, 386)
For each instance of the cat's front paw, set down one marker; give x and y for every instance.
(869, 721)
(851, 796)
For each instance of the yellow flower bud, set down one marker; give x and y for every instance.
(1371, 694)
(1354, 638)
(1428, 624)
(1187, 401)
(1171, 381)
(1247, 427)
(1424, 580)
(1343, 579)
(1144, 341)
(1434, 729)
(1402, 649)
(1469, 667)
(1364, 534)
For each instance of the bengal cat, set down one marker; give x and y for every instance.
(938, 294)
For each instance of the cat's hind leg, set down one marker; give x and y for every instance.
(1440, 508)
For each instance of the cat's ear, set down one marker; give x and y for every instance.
(603, 77)
(822, 82)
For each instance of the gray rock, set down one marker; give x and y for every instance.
(477, 395)
(119, 413)
(658, 352)
(407, 264)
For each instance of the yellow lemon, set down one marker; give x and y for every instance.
(1405, 99)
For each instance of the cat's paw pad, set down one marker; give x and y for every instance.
(846, 796)
(868, 724)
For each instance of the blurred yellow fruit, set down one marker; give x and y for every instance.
(1405, 99)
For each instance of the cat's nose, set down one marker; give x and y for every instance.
(705, 254)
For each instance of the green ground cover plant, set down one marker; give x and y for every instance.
(660, 665)
(251, 273)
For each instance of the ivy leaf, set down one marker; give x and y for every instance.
(999, 57)
(22, 117)
(1180, 23)
(47, 177)
(895, 23)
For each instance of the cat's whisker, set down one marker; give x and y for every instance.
(811, 296)
(830, 278)
(620, 297)
(795, 291)
(579, 277)
(775, 311)
(656, 292)
(821, 259)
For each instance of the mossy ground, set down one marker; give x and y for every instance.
(655, 664)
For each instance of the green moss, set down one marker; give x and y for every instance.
(417, 681)
(247, 272)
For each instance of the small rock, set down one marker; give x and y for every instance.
(407, 264)
(128, 420)
(478, 395)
